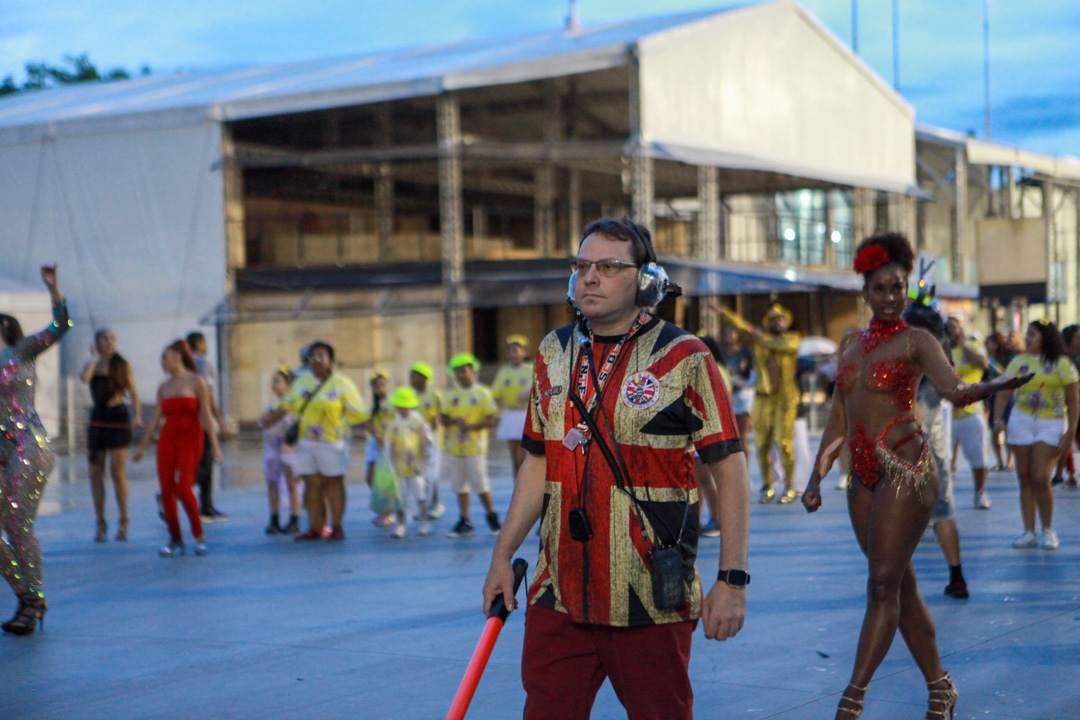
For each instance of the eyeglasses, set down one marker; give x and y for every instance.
(608, 267)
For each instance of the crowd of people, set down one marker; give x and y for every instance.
(617, 431)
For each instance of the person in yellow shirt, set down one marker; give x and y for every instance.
(969, 428)
(1041, 426)
(326, 405)
(407, 443)
(511, 389)
(776, 394)
(430, 406)
(468, 412)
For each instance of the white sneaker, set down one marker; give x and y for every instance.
(1049, 539)
(425, 528)
(982, 500)
(437, 512)
(1027, 540)
(399, 531)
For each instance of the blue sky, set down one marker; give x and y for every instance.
(1034, 51)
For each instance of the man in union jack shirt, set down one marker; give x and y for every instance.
(620, 401)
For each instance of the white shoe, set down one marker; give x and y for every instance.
(1027, 540)
(425, 528)
(1049, 539)
(982, 500)
(399, 531)
(437, 512)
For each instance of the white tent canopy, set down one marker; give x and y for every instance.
(116, 181)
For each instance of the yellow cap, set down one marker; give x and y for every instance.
(422, 368)
(517, 339)
(404, 397)
(463, 359)
(375, 375)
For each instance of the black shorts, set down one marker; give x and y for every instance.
(110, 427)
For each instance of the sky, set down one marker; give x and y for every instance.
(1034, 46)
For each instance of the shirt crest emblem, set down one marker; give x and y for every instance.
(640, 391)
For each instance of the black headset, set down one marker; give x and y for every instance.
(653, 283)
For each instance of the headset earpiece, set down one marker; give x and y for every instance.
(570, 292)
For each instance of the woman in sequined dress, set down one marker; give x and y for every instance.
(26, 458)
(894, 481)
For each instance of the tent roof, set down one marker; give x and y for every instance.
(983, 152)
(325, 83)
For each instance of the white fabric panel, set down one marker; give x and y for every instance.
(772, 83)
(135, 221)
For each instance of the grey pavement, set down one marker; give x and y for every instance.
(379, 628)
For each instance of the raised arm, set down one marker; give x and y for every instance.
(33, 345)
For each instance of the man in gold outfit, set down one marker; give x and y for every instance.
(776, 394)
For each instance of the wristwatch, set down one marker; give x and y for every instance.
(734, 578)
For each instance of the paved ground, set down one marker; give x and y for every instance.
(378, 628)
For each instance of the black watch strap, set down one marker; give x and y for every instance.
(734, 578)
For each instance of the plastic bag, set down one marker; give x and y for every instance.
(385, 498)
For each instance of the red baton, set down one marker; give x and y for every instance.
(494, 625)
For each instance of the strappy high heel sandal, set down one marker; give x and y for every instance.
(855, 706)
(943, 697)
(122, 532)
(102, 531)
(28, 616)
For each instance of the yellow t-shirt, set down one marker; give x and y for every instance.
(969, 374)
(474, 404)
(1044, 396)
(329, 413)
(381, 419)
(430, 406)
(406, 437)
(509, 384)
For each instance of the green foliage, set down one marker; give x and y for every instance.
(75, 69)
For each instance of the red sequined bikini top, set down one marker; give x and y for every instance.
(893, 376)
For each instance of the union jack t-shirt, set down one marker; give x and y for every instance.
(664, 399)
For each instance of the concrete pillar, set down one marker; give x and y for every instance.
(544, 209)
(1053, 251)
(642, 189)
(707, 239)
(236, 259)
(575, 223)
(960, 244)
(451, 225)
(384, 191)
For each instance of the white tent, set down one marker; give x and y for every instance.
(117, 182)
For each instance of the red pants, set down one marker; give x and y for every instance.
(178, 453)
(564, 664)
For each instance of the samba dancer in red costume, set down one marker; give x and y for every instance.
(894, 481)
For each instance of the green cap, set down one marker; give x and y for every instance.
(404, 397)
(463, 359)
(422, 368)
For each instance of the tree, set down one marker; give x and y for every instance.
(76, 69)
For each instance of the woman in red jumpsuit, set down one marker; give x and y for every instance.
(183, 401)
(894, 481)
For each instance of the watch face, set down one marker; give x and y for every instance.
(738, 578)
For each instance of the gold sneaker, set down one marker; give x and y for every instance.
(767, 495)
(789, 496)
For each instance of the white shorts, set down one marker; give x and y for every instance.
(416, 486)
(1024, 429)
(329, 459)
(467, 473)
(434, 466)
(371, 449)
(274, 466)
(742, 401)
(511, 425)
(974, 437)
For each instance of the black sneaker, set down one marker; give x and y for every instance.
(1057, 480)
(464, 528)
(274, 529)
(291, 529)
(218, 515)
(493, 522)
